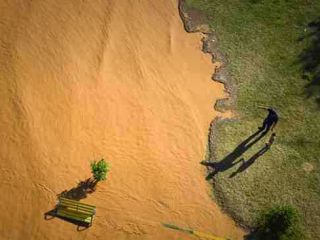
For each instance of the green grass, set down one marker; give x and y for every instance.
(260, 40)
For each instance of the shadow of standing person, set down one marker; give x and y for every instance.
(229, 161)
(250, 161)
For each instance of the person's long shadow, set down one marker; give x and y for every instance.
(250, 161)
(230, 160)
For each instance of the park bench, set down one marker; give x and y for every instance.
(75, 210)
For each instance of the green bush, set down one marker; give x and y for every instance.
(279, 223)
(99, 170)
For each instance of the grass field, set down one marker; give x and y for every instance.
(273, 49)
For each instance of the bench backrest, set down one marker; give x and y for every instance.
(76, 206)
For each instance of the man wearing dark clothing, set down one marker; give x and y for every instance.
(270, 121)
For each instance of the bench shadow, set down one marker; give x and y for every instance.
(81, 191)
(52, 214)
(230, 160)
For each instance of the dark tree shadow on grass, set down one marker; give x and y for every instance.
(310, 60)
(253, 235)
(230, 160)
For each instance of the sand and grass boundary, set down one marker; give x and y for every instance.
(195, 20)
(267, 47)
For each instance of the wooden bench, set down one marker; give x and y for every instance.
(75, 210)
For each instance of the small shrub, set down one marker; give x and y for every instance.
(279, 223)
(99, 170)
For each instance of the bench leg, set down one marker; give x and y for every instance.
(49, 215)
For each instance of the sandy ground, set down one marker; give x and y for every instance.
(119, 79)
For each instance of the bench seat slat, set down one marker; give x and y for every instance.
(90, 210)
(75, 210)
(66, 200)
(77, 206)
(74, 213)
(74, 216)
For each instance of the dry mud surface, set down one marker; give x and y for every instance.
(119, 79)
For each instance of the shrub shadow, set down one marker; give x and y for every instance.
(81, 191)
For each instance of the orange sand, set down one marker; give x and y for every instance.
(119, 79)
